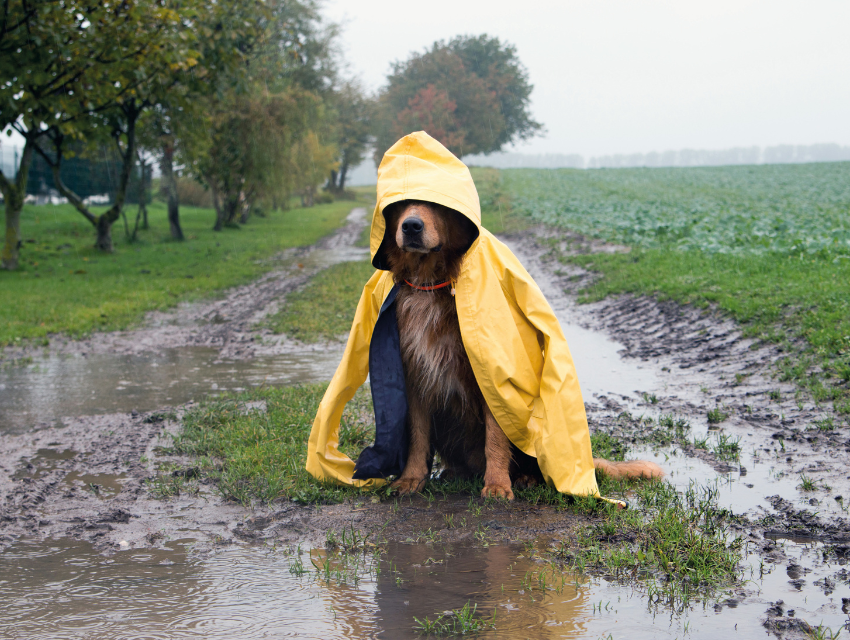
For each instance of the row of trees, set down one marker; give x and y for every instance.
(244, 96)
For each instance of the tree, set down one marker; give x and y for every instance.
(230, 32)
(471, 93)
(353, 114)
(45, 58)
(311, 162)
(139, 47)
(248, 154)
(252, 126)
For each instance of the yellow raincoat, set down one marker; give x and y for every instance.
(514, 342)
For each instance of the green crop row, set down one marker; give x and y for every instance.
(735, 210)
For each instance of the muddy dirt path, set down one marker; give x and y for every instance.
(638, 360)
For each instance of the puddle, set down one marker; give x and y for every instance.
(43, 462)
(64, 589)
(60, 386)
(754, 477)
(103, 485)
(600, 369)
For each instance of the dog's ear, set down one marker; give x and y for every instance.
(391, 213)
(464, 231)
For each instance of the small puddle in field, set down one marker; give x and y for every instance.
(64, 589)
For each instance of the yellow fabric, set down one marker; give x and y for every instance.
(518, 352)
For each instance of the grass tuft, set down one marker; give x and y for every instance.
(683, 539)
(260, 455)
(717, 415)
(457, 622)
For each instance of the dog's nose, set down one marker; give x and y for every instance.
(412, 226)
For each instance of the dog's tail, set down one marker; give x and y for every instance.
(628, 469)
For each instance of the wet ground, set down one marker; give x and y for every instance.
(89, 552)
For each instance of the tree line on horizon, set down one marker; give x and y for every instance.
(245, 97)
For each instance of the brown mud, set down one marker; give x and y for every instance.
(92, 478)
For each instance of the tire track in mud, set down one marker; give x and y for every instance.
(705, 363)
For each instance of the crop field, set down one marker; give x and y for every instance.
(767, 245)
(739, 210)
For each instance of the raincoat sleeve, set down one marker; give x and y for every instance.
(324, 459)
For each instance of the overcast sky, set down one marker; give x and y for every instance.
(627, 76)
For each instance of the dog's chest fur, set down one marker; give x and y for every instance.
(437, 369)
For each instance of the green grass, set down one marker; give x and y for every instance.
(683, 539)
(323, 310)
(767, 245)
(458, 622)
(66, 286)
(801, 303)
(717, 415)
(260, 455)
(738, 210)
(497, 214)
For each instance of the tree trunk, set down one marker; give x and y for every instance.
(343, 170)
(143, 200)
(13, 195)
(104, 233)
(102, 223)
(14, 204)
(169, 183)
(142, 216)
(219, 208)
(231, 207)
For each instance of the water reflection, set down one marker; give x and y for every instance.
(59, 386)
(64, 589)
(420, 581)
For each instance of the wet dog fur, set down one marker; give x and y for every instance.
(424, 245)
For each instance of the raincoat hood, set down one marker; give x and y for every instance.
(515, 345)
(417, 167)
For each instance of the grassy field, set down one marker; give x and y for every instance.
(65, 286)
(768, 245)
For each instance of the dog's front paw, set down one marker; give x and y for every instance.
(496, 490)
(405, 486)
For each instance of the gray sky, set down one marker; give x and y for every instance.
(627, 76)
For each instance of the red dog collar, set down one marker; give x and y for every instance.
(431, 287)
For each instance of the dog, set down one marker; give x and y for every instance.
(447, 412)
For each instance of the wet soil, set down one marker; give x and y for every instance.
(87, 477)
